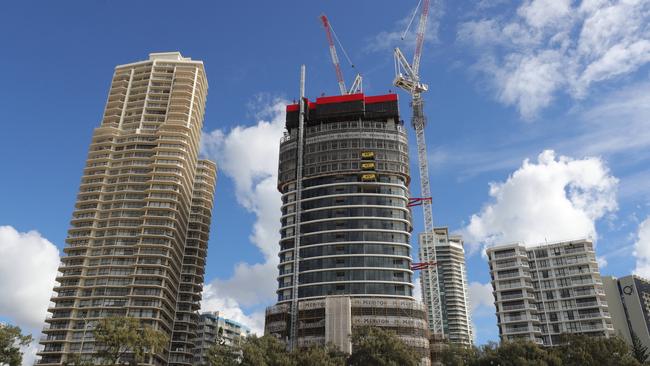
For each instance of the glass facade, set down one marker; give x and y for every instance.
(355, 232)
(346, 226)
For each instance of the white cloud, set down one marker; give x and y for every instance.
(542, 13)
(549, 47)
(29, 352)
(482, 305)
(250, 284)
(249, 156)
(215, 300)
(642, 249)
(602, 262)
(480, 296)
(529, 81)
(417, 290)
(388, 40)
(28, 267)
(617, 124)
(552, 199)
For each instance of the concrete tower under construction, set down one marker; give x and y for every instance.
(139, 231)
(345, 252)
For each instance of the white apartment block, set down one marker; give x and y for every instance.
(543, 291)
(214, 329)
(452, 277)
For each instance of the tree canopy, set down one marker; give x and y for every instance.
(371, 346)
(574, 350)
(639, 351)
(375, 346)
(11, 339)
(117, 337)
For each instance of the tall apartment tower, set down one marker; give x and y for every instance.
(139, 231)
(454, 292)
(546, 290)
(629, 304)
(350, 228)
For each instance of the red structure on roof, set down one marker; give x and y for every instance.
(392, 97)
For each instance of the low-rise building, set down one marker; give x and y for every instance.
(543, 291)
(214, 328)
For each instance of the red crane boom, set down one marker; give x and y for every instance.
(335, 57)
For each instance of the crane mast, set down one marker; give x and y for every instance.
(293, 331)
(408, 78)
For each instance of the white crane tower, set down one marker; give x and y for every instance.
(408, 78)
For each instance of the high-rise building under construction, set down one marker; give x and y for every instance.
(139, 231)
(346, 225)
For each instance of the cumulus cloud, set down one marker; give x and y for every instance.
(214, 299)
(547, 47)
(482, 305)
(618, 124)
(388, 40)
(249, 156)
(28, 267)
(480, 295)
(417, 290)
(29, 352)
(555, 198)
(642, 249)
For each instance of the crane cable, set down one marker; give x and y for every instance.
(412, 18)
(341, 45)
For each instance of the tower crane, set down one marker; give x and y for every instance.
(407, 77)
(357, 86)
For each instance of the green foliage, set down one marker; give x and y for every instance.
(574, 350)
(224, 355)
(320, 356)
(375, 346)
(11, 339)
(639, 351)
(372, 346)
(119, 336)
(516, 354)
(458, 355)
(74, 359)
(265, 351)
(578, 350)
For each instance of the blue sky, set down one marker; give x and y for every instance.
(508, 81)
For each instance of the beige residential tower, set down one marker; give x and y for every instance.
(139, 231)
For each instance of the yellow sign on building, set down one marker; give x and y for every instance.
(369, 177)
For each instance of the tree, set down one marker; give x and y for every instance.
(320, 356)
(75, 359)
(11, 339)
(117, 337)
(639, 351)
(520, 353)
(458, 355)
(577, 350)
(221, 354)
(378, 347)
(265, 351)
